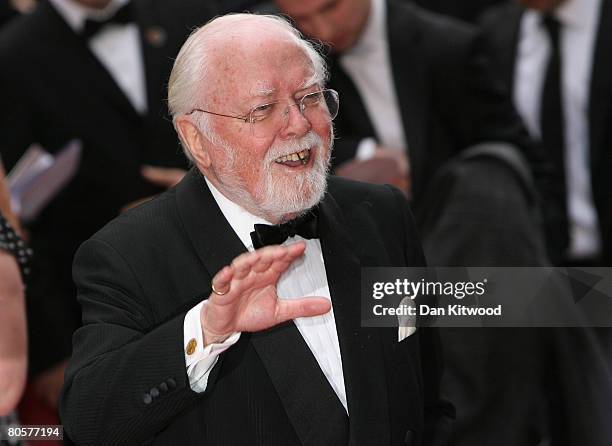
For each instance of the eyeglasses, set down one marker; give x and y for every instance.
(272, 117)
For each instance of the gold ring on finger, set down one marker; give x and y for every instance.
(219, 293)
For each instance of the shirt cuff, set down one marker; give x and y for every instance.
(366, 149)
(200, 360)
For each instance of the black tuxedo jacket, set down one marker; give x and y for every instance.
(138, 277)
(55, 89)
(447, 97)
(501, 30)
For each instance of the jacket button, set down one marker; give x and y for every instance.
(154, 392)
(163, 387)
(191, 346)
(409, 438)
(147, 399)
(171, 383)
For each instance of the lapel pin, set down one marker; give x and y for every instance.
(155, 36)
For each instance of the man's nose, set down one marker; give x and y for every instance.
(296, 123)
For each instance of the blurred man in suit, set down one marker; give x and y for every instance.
(481, 209)
(94, 70)
(415, 84)
(154, 362)
(553, 54)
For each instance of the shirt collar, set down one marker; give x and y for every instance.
(374, 32)
(76, 14)
(578, 13)
(241, 221)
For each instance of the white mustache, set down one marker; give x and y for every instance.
(308, 141)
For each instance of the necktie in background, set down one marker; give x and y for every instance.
(551, 112)
(552, 126)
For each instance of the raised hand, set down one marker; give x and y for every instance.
(245, 298)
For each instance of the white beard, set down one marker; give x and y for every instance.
(277, 195)
(299, 192)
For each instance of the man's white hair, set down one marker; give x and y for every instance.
(194, 63)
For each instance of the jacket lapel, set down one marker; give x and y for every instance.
(311, 404)
(361, 350)
(600, 110)
(353, 114)
(409, 76)
(215, 242)
(154, 41)
(316, 413)
(509, 37)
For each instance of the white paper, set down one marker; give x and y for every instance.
(39, 176)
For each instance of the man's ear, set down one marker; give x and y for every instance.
(193, 139)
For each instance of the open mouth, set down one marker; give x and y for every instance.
(295, 159)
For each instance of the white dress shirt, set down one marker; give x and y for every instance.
(116, 46)
(305, 277)
(579, 22)
(368, 63)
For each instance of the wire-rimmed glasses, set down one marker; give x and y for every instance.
(270, 118)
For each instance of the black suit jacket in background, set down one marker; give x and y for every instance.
(55, 89)
(501, 30)
(468, 10)
(447, 97)
(139, 276)
(579, 380)
(480, 210)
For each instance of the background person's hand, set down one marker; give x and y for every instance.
(386, 166)
(251, 303)
(135, 203)
(163, 176)
(48, 384)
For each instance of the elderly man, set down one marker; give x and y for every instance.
(188, 338)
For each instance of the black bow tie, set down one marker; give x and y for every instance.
(304, 226)
(123, 16)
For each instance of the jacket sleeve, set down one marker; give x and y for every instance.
(127, 378)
